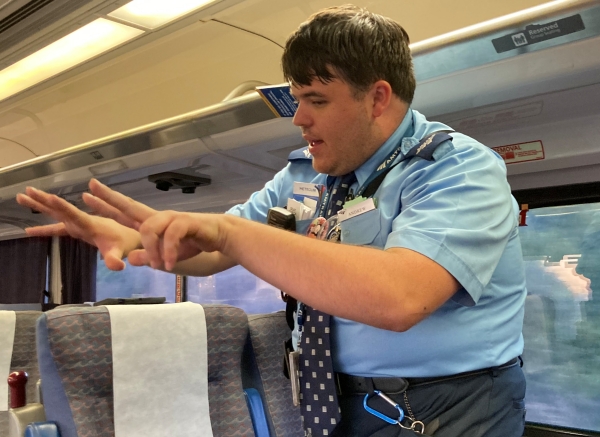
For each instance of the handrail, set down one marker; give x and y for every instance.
(243, 88)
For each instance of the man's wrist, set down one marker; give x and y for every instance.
(228, 225)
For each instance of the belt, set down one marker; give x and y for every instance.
(357, 385)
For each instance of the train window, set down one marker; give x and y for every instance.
(134, 282)
(561, 248)
(237, 287)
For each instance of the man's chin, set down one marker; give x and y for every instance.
(321, 167)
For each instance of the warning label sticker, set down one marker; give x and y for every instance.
(521, 152)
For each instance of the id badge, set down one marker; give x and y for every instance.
(318, 228)
(295, 376)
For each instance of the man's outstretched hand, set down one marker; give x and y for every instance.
(115, 228)
(113, 232)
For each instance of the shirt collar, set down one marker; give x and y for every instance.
(405, 129)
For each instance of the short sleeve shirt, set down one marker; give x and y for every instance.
(455, 209)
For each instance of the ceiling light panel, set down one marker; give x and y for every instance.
(85, 43)
(154, 13)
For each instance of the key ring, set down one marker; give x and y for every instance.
(416, 425)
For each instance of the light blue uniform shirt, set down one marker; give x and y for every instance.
(458, 211)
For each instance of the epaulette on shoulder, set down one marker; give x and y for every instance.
(427, 145)
(300, 154)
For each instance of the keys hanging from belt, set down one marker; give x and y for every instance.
(415, 425)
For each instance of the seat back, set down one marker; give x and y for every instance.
(75, 353)
(264, 371)
(23, 357)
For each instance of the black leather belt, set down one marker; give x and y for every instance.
(357, 385)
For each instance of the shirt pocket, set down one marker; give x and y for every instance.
(362, 230)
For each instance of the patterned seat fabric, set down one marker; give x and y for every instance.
(267, 334)
(74, 345)
(24, 357)
(3, 422)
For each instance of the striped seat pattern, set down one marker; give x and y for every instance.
(80, 343)
(268, 332)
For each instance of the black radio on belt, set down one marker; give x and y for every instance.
(281, 218)
(284, 219)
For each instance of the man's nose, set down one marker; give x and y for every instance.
(301, 118)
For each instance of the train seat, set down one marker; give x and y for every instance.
(18, 353)
(263, 361)
(80, 357)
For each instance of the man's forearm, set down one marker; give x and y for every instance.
(204, 264)
(353, 282)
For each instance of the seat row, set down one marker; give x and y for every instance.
(89, 389)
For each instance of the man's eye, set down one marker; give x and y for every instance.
(318, 102)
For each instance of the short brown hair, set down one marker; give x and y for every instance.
(353, 44)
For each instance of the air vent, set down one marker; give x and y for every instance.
(26, 26)
(171, 180)
(22, 13)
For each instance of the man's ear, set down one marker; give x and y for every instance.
(382, 94)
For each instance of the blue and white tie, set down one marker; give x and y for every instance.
(319, 403)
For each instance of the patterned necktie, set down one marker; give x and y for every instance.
(319, 404)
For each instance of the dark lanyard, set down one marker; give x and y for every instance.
(427, 145)
(381, 171)
(326, 196)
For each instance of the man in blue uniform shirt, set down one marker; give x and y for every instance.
(427, 286)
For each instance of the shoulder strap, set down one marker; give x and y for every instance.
(424, 149)
(300, 154)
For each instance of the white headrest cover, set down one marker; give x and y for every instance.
(160, 370)
(7, 340)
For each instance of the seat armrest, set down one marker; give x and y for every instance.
(257, 412)
(19, 418)
(42, 429)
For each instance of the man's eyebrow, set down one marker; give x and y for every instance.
(308, 94)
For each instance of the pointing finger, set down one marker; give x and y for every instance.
(150, 232)
(134, 210)
(25, 200)
(57, 229)
(102, 208)
(54, 207)
(177, 230)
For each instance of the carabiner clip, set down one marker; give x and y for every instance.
(381, 415)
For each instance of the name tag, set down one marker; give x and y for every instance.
(356, 210)
(294, 370)
(307, 189)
